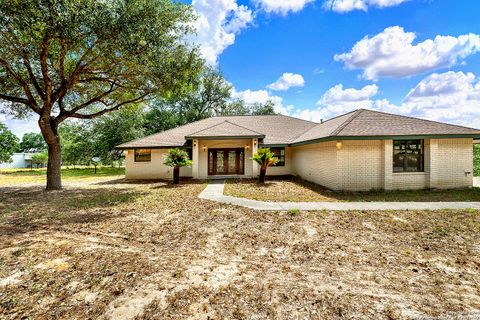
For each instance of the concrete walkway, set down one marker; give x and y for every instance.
(214, 192)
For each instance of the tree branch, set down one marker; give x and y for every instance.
(93, 100)
(30, 101)
(26, 62)
(46, 78)
(99, 113)
(63, 53)
(15, 99)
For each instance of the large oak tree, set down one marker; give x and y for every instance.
(80, 59)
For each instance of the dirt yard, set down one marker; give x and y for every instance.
(114, 250)
(297, 190)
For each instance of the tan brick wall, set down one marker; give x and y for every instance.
(453, 159)
(387, 161)
(360, 165)
(364, 165)
(316, 163)
(155, 169)
(410, 180)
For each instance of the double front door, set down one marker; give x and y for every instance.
(226, 161)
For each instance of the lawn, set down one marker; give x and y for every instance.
(118, 250)
(36, 176)
(296, 190)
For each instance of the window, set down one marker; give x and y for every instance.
(143, 155)
(190, 153)
(407, 155)
(279, 153)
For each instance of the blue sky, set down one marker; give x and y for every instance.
(307, 40)
(420, 57)
(319, 58)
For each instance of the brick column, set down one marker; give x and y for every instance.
(388, 164)
(430, 162)
(195, 159)
(255, 171)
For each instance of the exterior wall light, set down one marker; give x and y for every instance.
(247, 146)
(204, 148)
(339, 145)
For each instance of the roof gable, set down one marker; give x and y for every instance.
(225, 129)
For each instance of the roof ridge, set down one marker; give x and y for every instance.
(244, 127)
(265, 115)
(422, 119)
(217, 124)
(319, 124)
(213, 125)
(346, 122)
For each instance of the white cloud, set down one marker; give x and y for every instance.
(218, 23)
(261, 96)
(452, 97)
(350, 5)
(338, 100)
(337, 94)
(392, 53)
(282, 7)
(287, 81)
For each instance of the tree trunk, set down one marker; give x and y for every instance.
(49, 131)
(54, 176)
(263, 172)
(176, 175)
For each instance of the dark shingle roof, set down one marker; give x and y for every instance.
(284, 130)
(226, 129)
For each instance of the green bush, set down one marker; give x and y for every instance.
(476, 160)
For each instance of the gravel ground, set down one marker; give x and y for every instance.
(285, 189)
(113, 250)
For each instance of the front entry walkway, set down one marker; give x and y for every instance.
(214, 192)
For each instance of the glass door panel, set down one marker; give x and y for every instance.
(220, 162)
(210, 163)
(232, 162)
(241, 163)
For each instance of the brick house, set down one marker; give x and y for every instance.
(360, 150)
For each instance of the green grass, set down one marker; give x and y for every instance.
(293, 212)
(27, 176)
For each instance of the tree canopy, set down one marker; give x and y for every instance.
(208, 95)
(32, 142)
(8, 144)
(81, 59)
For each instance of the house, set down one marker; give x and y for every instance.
(360, 150)
(19, 160)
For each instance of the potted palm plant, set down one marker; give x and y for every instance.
(177, 158)
(265, 158)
